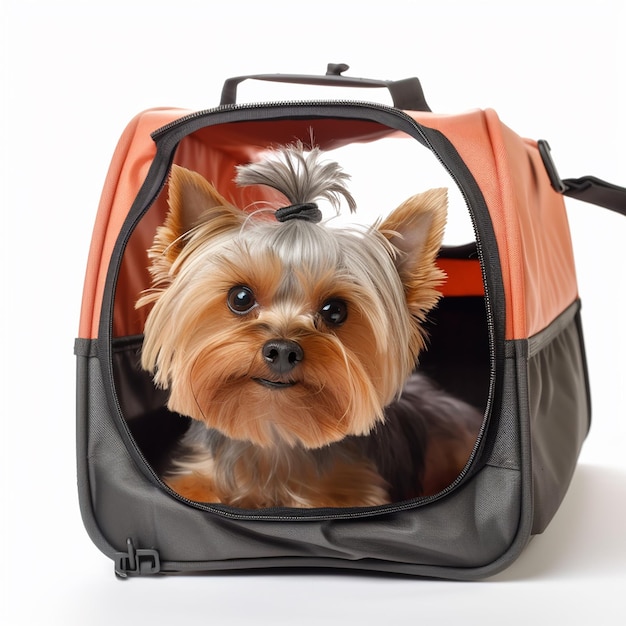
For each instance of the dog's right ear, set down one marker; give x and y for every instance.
(194, 206)
(193, 202)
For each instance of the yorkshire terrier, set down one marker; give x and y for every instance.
(292, 344)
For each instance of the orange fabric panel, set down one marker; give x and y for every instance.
(544, 255)
(129, 165)
(528, 216)
(464, 278)
(214, 151)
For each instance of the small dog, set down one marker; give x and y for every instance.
(292, 344)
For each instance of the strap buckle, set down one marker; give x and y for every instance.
(546, 156)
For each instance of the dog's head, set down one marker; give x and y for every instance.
(287, 332)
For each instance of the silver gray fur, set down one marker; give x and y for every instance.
(300, 176)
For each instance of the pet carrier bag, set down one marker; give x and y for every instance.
(506, 336)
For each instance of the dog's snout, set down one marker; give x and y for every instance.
(282, 355)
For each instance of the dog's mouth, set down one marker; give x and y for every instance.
(275, 384)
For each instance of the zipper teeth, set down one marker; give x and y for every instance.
(379, 510)
(223, 108)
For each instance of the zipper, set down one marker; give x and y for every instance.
(252, 106)
(169, 130)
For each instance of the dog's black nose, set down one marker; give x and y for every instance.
(282, 355)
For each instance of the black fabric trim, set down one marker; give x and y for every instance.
(85, 347)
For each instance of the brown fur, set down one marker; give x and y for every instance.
(254, 444)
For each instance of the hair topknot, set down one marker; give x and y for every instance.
(301, 176)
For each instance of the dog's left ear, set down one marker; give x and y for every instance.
(415, 229)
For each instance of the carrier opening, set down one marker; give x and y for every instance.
(283, 355)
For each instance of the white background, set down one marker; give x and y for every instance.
(74, 73)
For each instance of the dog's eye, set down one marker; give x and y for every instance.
(241, 300)
(334, 312)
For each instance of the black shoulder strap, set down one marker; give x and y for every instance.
(596, 191)
(588, 188)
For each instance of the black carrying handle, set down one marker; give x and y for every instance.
(587, 188)
(406, 94)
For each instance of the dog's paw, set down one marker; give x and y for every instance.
(193, 487)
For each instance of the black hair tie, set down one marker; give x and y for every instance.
(305, 211)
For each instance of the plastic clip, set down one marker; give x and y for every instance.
(546, 156)
(136, 562)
